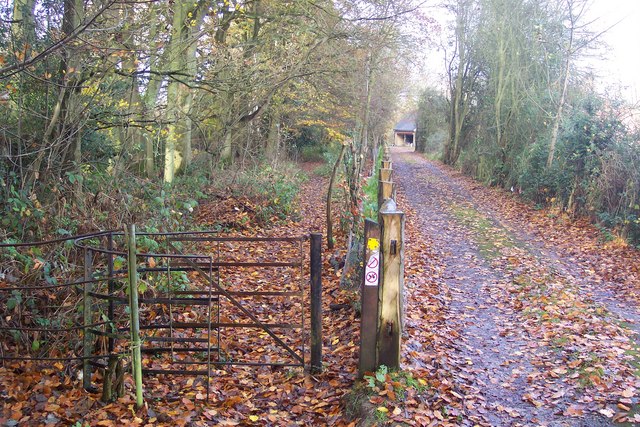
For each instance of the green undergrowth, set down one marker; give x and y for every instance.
(370, 198)
(370, 192)
(274, 188)
(83, 203)
(329, 158)
(98, 201)
(312, 153)
(153, 207)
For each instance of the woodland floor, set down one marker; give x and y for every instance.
(520, 317)
(515, 317)
(39, 394)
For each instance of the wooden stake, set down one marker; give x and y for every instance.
(334, 173)
(385, 192)
(316, 302)
(135, 316)
(112, 288)
(87, 338)
(392, 285)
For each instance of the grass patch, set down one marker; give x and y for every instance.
(434, 156)
(374, 398)
(489, 238)
(590, 371)
(357, 405)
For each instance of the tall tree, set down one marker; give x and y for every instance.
(571, 43)
(182, 69)
(462, 74)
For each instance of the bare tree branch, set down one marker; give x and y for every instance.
(13, 69)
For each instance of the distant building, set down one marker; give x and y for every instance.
(404, 132)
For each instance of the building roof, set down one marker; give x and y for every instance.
(407, 123)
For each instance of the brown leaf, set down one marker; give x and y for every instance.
(628, 392)
(574, 411)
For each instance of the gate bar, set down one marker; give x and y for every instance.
(246, 312)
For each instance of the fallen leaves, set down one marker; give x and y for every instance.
(577, 359)
(574, 411)
(555, 349)
(239, 395)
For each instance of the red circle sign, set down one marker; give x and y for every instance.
(373, 262)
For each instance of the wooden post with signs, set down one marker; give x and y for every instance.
(391, 290)
(369, 298)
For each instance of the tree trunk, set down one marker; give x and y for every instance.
(558, 117)
(23, 27)
(150, 97)
(459, 101)
(172, 152)
(64, 125)
(273, 138)
(182, 52)
(375, 152)
(226, 155)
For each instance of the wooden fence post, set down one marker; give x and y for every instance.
(135, 315)
(386, 164)
(385, 192)
(369, 298)
(391, 291)
(111, 288)
(385, 174)
(87, 307)
(316, 302)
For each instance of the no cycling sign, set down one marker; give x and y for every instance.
(371, 272)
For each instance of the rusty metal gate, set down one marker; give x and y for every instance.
(205, 301)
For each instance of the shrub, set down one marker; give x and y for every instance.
(276, 188)
(312, 153)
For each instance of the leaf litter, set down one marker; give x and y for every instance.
(522, 341)
(514, 317)
(36, 394)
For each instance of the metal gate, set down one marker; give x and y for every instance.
(204, 301)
